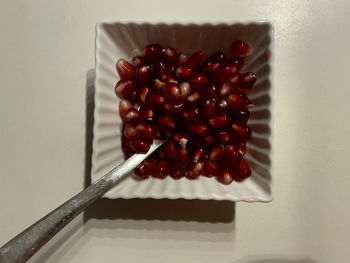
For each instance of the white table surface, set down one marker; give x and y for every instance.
(46, 62)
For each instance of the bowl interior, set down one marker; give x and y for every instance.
(120, 40)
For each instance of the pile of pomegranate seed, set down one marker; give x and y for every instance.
(201, 107)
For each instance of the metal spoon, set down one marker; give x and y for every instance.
(24, 245)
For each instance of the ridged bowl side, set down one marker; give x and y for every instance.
(120, 40)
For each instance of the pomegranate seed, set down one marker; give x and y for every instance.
(185, 90)
(217, 57)
(124, 105)
(220, 121)
(184, 73)
(194, 170)
(182, 59)
(170, 150)
(247, 80)
(173, 107)
(124, 88)
(199, 81)
(232, 155)
(176, 172)
(169, 55)
(235, 78)
(132, 116)
(194, 98)
(209, 141)
(239, 49)
(238, 100)
(138, 61)
(155, 100)
(242, 148)
(223, 136)
(211, 168)
(241, 132)
(209, 67)
(152, 52)
(146, 131)
(149, 114)
(173, 91)
(167, 121)
(195, 142)
(191, 114)
(244, 170)
(140, 146)
(165, 132)
(225, 89)
(161, 152)
(142, 171)
(143, 74)
(225, 177)
(125, 70)
(209, 107)
(160, 85)
(216, 153)
(143, 95)
(183, 156)
(223, 105)
(162, 71)
(212, 92)
(198, 154)
(195, 60)
(172, 79)
(130, 131)
(241, 115)
(237, 61)
(150, 162)
(226, 71)
(199, 129)
(161, 169)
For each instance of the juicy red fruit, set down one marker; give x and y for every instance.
(200, 107)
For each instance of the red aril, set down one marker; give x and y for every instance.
(180, 135)
(242, 148)
(211, 168)
(220, 121)
(173, 107)
(161, 169)
(140, 145)
(244, 170)
(199, 129)
(237, 61)
(183, 156)
(149, 114)
(152, 52)
(142, 171)
(138, 61)
(125, 70)
(185, 90)
(199, 81)
(223, 136)
(172, 91)
(225, 177)
(209, 141)
(191, 114)
(209, 67)
(247, 80)
(217, 57)
(170, 150)
(182, 59)
(239, 49)
(194, 98)
(143, 94)
(194, 169)
(124, 105)
(167, 121)
(225, 89)
(176, 172)
(184, 72)
(231, 155)
(143, 74)
(226, 71)
(150, 162)
(169, 55)
(241, 132)
(132, 116)
(155, 100)
(130, 131)
(124, 88)
(162, 71)
(146, 131)
(198, 154)
(241, 115)
(223, 105)
(195, 60)
(209, 107)
(159, 85)
(216, 152)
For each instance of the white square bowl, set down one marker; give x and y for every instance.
(120, 40)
